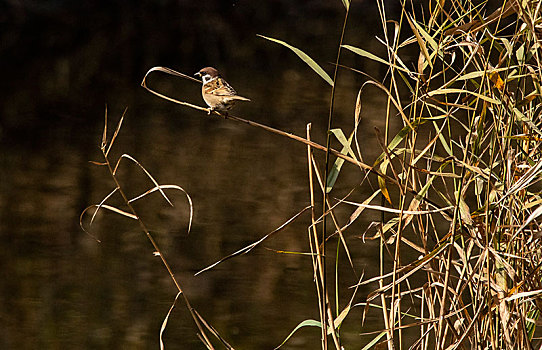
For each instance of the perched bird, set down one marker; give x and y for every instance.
(216, 92)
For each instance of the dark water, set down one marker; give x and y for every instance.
(62, 63)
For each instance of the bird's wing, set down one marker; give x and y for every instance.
(219, 87)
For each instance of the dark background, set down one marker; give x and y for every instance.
(63, 62)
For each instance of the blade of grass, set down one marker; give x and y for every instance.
(306, 323)
(248, 248)
(164, 323)
(174, 187)
(367, 54)
(304, 57)
(337, 166)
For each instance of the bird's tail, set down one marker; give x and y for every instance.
(240, 98)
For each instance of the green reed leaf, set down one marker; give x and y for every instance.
(373, 57)
(306, 58)
(461, 91)
(336, 169)
(311, 323)
(418, 33)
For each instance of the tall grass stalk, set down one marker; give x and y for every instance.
(130, 212)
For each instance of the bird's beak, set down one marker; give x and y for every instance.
(198, 74)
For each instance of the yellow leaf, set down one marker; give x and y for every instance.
(382, 182)
(496, 79)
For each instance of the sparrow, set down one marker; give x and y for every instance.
(216, 92)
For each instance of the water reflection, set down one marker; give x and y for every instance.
(62, 289)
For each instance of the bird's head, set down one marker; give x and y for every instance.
(207, 74)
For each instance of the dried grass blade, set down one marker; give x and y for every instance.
(524, 181)
(428, 38)
(164, 323)
(359, 210)
(119, 211)
(167, 71)
(416, 31)
(97, 163)
(357, 110)
(330, 211)
(464, 211)
(101, 204)
(523, 118)
(408, 270)
(289, 252)
(113, 209)
(213, 331)
(478, 24)
(116, 132)
(468, 330)
(83, 228)
(127, 156)
(104, 135)
(248, 248)
(427, 148)
(167, 98)
(174, 187)
(338, 321)
(481, 73)
(523, 295)
(397, 211)
(462, 91)
(535, 214)
(415, 203)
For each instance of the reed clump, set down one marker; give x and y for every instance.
(471, 142)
